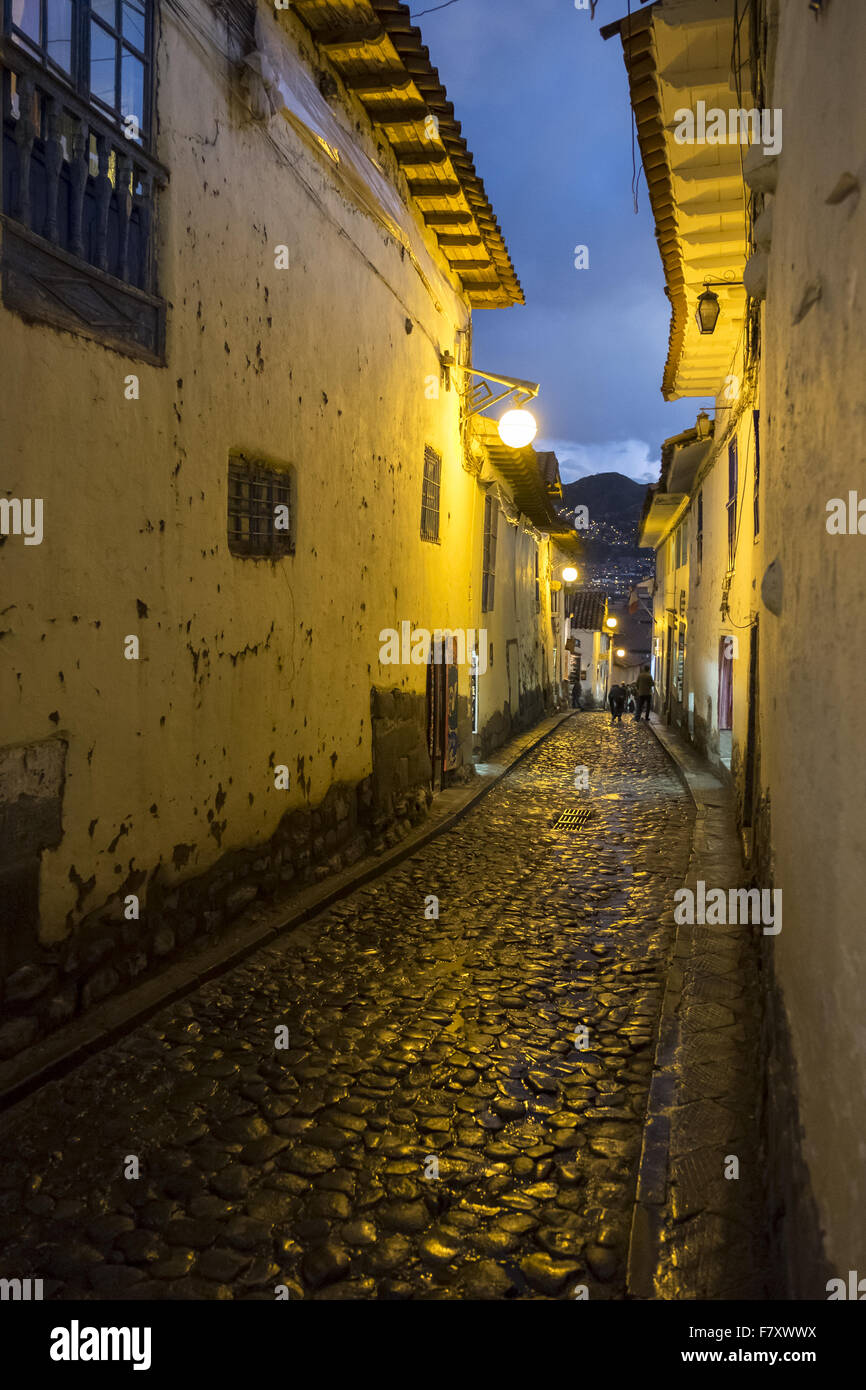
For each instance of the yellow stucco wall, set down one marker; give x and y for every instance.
(243, 664)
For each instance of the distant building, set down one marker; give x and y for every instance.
(591, 652)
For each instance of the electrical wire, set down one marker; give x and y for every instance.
(433, 9)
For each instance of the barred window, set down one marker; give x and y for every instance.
(261, 513)
(430, 495)
(488, 578)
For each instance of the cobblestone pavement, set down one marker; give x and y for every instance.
(416, 1046)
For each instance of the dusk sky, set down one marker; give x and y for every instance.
(543, 102)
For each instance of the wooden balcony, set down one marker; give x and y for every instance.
(78, 214)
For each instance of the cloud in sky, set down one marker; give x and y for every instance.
(633, 457)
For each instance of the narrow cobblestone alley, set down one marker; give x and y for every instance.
(431, 1130)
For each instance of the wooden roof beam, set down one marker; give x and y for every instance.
(433, 188)
(383, 80)
(412, 155)
(350, 36)
(447, 219)
(397, 113)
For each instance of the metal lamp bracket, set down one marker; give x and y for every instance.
(479, 395)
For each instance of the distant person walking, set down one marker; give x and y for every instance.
(575, 695)
(616, 700)
(645, 687)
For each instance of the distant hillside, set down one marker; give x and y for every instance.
(609, 497)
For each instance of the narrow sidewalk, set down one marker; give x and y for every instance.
(697, 1229)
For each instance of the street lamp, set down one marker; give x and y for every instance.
(517, 427)
(708, 312)
(569, 574)
(709, 308)
(620, 651)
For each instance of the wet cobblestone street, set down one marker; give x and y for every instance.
(431, 1130)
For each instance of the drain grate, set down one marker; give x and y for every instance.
(572, 820)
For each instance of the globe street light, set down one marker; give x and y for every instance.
(569, 574)
(517, 428)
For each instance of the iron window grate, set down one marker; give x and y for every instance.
(572, 820)
(255, 525)
(488, 577)
(430, 495)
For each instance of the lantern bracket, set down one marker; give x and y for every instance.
(479, 395)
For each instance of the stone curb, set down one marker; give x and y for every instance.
(652, 1180)
(66, 1049)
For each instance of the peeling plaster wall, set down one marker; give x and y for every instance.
(244, 664)
(811, 714)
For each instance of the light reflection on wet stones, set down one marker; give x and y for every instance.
(409, 1039)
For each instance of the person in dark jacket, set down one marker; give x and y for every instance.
(616, 700)
(645, 687)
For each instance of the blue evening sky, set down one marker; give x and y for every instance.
(543, 102)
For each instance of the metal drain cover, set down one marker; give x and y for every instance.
(572, 820)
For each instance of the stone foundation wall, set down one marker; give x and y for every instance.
(401, 758)
(31, 806)
(108, 952)
(501, 725)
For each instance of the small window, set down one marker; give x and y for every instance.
(430, 495)
(78, 180)
(537, 585)
(488, 577)
(261, 513)
(104, 46)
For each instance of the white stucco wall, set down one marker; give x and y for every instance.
(811, 719)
